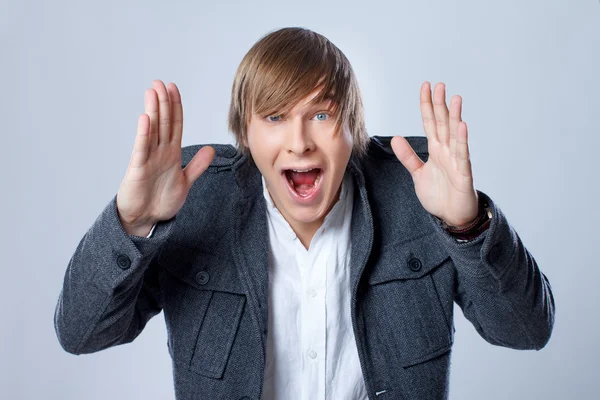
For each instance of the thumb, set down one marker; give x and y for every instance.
(198, 164)
(405, 153)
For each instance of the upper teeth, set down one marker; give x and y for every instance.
(302, 170)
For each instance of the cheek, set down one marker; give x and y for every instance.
(264, 151)
(340, 156)
(347, 138)
(343, 148)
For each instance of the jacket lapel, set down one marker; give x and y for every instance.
(362, 231)
(251, 243)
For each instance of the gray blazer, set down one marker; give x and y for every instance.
(206, 268)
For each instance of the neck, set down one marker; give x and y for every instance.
(306, 232)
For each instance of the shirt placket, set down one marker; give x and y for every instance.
(313, 321)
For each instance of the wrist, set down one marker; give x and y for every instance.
(138, 229)
(473, 229)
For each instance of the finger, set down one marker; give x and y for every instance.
(455, 119)
(405, 153)
(164, 112)
(176, 112)
(463, 161)
(141, 144)
(151, 109)
(427, 113)
(441, 112)
(198, 164)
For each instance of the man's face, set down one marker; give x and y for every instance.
(302, 160)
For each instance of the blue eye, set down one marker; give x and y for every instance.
(322, 119)
(274, 116)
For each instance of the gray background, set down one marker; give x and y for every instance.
(73, 78)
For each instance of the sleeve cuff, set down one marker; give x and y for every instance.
(487, 254)
(115, 255)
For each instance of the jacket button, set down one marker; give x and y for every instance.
(123, 261)
(414, 264)
(202, 277)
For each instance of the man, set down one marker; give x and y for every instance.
(315, 262)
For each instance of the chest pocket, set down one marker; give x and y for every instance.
(203, 306)
(405, 305)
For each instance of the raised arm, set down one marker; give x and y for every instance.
(500, 288)
(110, 287)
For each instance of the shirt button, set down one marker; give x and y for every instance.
(312, 354)
(312, 293)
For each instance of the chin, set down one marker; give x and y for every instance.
(305, 216)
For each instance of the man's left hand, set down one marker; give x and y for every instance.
(443, 184)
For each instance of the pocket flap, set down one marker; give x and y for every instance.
(406, 362)
(408, 259)
(217, 334)
(200, 269)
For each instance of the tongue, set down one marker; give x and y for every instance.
(304, 178)
(304, 182)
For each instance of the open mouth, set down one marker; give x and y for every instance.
(303, 183)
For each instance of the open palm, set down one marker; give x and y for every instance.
(443, 184)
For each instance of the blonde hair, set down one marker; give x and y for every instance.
(285, 66)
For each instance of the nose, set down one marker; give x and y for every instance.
(299, 137)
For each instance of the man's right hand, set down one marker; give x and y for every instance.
(155, 186)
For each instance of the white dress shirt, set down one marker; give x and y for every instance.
(311, 350)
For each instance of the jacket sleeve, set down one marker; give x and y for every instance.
(111, 285)
(500, 287)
